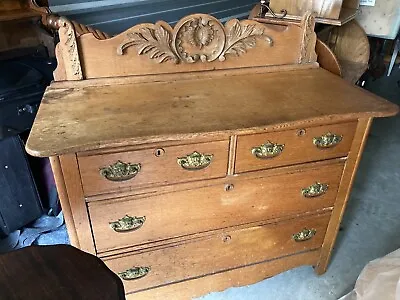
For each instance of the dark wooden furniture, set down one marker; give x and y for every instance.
(204, 156)
(56, 272)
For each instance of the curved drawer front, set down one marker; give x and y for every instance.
(215, 253)
(268, 150)
(140, 168)
(236, 202)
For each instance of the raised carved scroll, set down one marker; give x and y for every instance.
(309, 39)
(68, 43)
(195, 38)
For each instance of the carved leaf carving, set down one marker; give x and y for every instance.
(195, 38)
(156, 43)
(240, 38)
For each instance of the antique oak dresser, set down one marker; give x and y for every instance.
(204, 156)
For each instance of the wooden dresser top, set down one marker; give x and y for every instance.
(74, 117)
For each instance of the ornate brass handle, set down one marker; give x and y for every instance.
(120, 171)
(327, 140)
(304, 235)
(267, 150)
(315, 190)
(134, 273)
(195, 161)
(127, 223)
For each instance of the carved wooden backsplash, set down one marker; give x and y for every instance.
(199, 37)
(197, 43)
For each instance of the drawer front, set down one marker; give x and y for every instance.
(230, 249)
(112, 172)
(187, 212)
(262, 151)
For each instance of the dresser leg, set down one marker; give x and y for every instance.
(348, 176)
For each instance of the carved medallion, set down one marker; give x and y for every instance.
(195, 38)
(199, 38)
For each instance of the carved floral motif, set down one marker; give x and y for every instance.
(197, 37)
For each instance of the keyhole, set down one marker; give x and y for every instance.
(227, 238)
(159, 152)
(301, 132)
(229, 187)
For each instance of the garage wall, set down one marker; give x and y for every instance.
(113, 16)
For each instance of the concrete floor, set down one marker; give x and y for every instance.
(370, 228)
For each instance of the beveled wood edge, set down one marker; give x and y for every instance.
(77, 205)
(233, 278)
(145, 192)
(136, 147)
(350, 170)
(65, 205)
(121, 80)
(225, 134)
(191, 238)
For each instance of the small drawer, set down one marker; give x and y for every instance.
(268, 150)
(173, 164)
(223, 251)
(135, 220)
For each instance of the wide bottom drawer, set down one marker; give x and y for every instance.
(227, 250)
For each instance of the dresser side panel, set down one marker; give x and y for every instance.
(65, 205)
(347, 181)
(77, 203)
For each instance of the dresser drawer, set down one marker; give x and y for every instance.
(118, 224)
(125, 170)
(227, 250)
(262, 151)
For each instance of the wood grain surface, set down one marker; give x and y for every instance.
(225, 251)
(214, 207)
(298, 146)
(74, 120)
(190, 289)
(160, 170)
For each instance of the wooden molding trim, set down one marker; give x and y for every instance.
(198, 42)
(75, 201)
(343, 195)
(309, 39)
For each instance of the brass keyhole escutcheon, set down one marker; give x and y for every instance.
(159, 152)
(301, 132)
(229, 187)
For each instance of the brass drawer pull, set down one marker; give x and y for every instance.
(134, 273)
(315, 190)
(127, 223)
(120, 171)
(195, 161)
(327, 140)
(304, 235)
(267, 150)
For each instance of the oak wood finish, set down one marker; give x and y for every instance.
(139, 114)
(159, 169)
(351, 46)
(215, 254)
(246, 201)
(298, 146)
(76, 203)
(201, 86)
(231, 278)
(344, 192)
